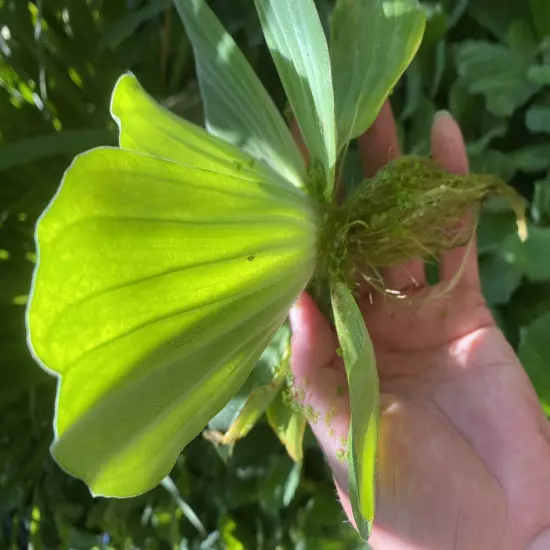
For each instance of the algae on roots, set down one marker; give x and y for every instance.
(413, 209)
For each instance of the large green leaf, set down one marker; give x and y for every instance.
(535, 357)
(358, 354)
(146, 127)
(157, 288)
(371, 44)
(295, 36)
(238, 109)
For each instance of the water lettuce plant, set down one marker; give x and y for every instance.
(167, 266)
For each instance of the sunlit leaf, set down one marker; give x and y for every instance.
(358, 354)
(228, 529)
(238, 109)
(157, 288)
(371, 44)
(288, 424)
(275, 359)
(299, 48)
(146, 127)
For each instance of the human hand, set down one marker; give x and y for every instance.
(464, 447)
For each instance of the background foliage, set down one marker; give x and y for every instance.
(487, 61)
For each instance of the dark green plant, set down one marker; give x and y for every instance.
(515, 277)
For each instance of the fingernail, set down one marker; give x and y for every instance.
(443, 114)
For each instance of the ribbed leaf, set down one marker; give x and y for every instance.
(299, 48)
(371, 44)
(147, 127)
(238, 109)
(360, 363)
(157, 288)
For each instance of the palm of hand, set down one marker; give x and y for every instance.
(464, 447)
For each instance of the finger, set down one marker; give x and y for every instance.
(407, 278)
(448, 147)
(313, 341)
(320, 382)
(424, 469)
(379, 144)
(449, 151)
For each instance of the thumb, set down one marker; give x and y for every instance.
(320, 382)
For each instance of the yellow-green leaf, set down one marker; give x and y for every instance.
(157, 288)
(238, 108)
(372, 42)
(362, 376)
(299, 48)
(146, 127)
(288, 424)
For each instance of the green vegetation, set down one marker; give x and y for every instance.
(488, 62)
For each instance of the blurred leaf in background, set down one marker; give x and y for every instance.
(487, 61)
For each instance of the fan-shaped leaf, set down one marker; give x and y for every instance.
(157, 288)
(147, 127)
(238, 109)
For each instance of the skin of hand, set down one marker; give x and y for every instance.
(464, 447)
